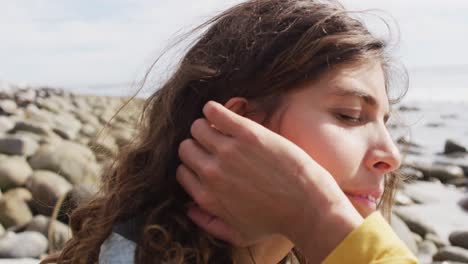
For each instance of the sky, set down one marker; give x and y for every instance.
(99, 43)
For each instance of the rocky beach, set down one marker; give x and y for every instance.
(53, 150)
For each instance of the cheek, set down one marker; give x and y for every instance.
(331, 146)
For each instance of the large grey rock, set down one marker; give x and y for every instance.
(6, 124)
(414, 223)
(14, 212)
(46, 188)
(431, 192)
(452, 254)
(442, 172)
(404, 233)
(60, 233)
(74, 161)
(459, 239)
(452, 146)
(22, 245)
(14, 172)
(439, 213)
(18, 145)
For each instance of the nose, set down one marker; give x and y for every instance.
(384, 154)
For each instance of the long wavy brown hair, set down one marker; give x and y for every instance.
(258, 50)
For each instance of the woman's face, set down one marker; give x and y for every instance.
(339, 120)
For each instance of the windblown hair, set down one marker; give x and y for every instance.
(259, 50)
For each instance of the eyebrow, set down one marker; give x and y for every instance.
(366, 97)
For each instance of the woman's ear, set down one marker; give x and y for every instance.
(238, 105)
(244, 107)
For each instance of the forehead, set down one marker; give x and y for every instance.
(366, 82)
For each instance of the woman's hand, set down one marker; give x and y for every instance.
(252, 181)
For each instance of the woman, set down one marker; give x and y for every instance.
(256, 59)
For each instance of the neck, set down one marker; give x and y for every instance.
(269, 251)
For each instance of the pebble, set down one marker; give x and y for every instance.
(14, 172)
(18, 145)
(452, 253)
(404, 233)
(459, 239)
(60, 231)
(46, 188)
(6, 124)
(27, 244)
(14, 212)
(452, 146)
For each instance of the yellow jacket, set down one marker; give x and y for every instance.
(373, 242)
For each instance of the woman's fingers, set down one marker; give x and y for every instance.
(190, 182)
(194, 156)
(216, 227)
(209, 137)
(226, 121)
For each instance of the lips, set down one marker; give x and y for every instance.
(366, 199)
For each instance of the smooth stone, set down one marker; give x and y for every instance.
(405, 108)
(459, 239)
(2, 230)
(460, 182)
(439, 214)
(6, 124)
(34, 114)
(14, 172)
(435, 124)
(414, 223)
(8, 106)
(61, 233)
(411, 174)
(88, 130)
(105, 146)
(451, 146)
(426, 249)
(457, 158)
(424, 192)
(452, 254)
(25, 96)
(66, 125)
(436, 240)
(20, 193)
(404, 233)
(463, 203)
(34, 127)
(19, 261)
(402, 199)
(444, 172)
(123, 136)
(47, 187)
(14, 212)
(75, 162)
(80, 194)
(27, 244)
(18, 145)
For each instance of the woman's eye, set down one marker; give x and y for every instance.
(348, 118)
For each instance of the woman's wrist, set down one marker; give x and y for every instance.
(327, 218)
